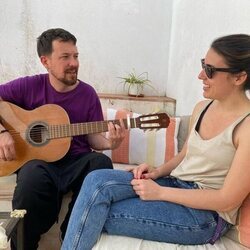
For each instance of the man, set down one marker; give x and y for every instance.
(40, 184)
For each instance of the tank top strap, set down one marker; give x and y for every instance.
(198, 123)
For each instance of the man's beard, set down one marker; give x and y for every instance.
(69, 78)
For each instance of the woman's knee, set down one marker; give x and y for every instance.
(98, 176)
(101, 177)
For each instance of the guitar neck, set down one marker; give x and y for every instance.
(68, 130)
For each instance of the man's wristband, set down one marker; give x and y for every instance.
(3, 131)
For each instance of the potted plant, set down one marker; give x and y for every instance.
(135, 83)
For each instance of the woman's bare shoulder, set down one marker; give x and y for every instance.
(241, 133)
(198, 108)
(245, 125)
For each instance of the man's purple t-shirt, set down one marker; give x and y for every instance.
(82, 103)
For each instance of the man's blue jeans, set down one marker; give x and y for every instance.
(108, 203)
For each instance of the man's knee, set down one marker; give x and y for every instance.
(32, 174)
(32, 180)
(101, 161)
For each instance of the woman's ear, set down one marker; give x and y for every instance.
(240, 78)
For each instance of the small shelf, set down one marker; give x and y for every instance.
(133, 98)
(143, 105)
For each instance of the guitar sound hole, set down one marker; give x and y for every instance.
(38, 135)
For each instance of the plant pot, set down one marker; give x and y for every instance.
(135, 90)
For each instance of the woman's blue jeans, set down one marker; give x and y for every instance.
(108, 203)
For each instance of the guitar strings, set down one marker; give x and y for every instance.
(66, 127)
(59, 130)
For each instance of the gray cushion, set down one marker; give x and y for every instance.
(183, 131)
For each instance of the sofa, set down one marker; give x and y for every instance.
(161, 145)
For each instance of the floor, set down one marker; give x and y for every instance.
(7, 185)
(50, 240)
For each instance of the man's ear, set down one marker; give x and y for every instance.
(240, 78)
(44, 61)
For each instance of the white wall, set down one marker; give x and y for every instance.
(114, 37)
(195, 24)
(166, 38)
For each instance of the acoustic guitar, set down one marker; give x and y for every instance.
(45, 132)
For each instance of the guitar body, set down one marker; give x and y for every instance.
(21, 124)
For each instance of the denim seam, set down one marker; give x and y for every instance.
(90, 203)
(162, 224)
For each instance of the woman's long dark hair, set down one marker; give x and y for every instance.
(236, 51)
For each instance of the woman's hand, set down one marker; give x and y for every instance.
(144, 171)
(147, 189)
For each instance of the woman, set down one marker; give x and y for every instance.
(203, 186)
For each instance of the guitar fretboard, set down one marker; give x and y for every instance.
(68, 130)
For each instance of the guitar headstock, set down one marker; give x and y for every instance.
(152, 121)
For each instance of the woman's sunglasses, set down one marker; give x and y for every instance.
(209, 69)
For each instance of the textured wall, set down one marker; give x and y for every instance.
(114, 37)
(195, 24)
(166, 38)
